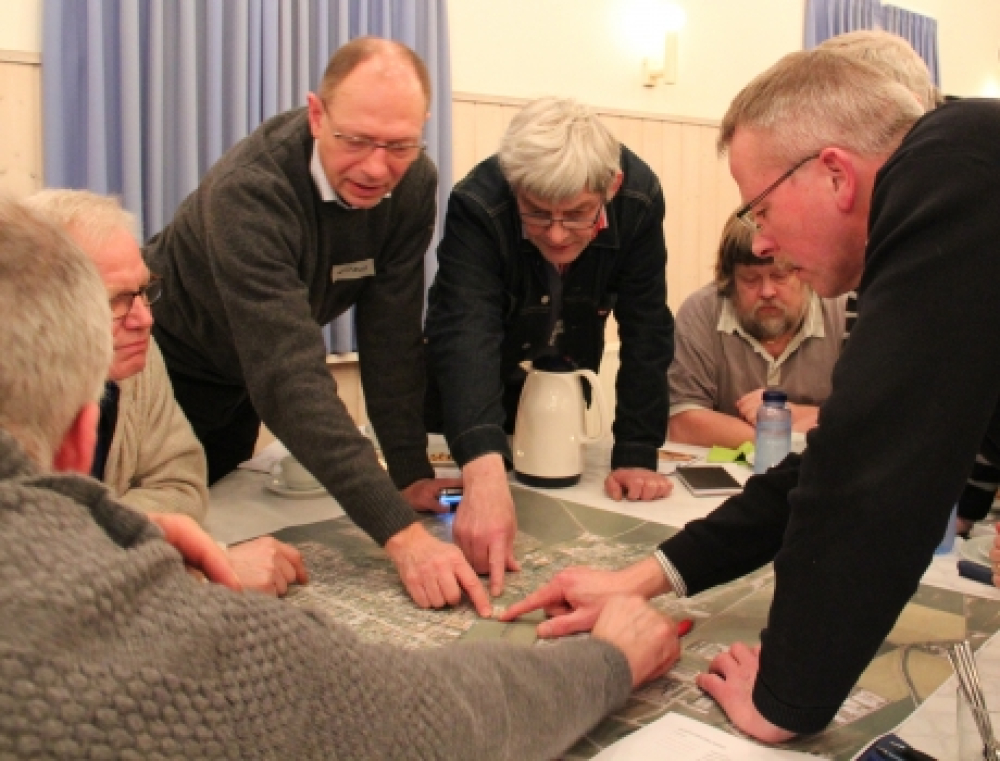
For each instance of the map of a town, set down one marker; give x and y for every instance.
(353, 580)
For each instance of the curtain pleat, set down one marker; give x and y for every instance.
(920, 31)
(141, 97)
(828, 18)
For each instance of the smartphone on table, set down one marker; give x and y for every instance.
(450, 496)
(708, 480)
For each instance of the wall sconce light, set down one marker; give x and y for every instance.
(673, 19)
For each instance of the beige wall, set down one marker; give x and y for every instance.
(585, 49)
(20, 123)
(21, 25)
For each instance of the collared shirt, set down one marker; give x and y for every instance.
(322, 182)
(811, 327)
(716, 361)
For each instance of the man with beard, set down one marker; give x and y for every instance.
(756, 326)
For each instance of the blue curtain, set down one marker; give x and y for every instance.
(141, 97)
(919, 31)
(828, 18)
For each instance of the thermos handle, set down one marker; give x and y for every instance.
(596, 395)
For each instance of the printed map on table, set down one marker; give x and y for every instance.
(353, 581)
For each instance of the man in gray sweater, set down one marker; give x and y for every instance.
(320, 209)
(109, 648)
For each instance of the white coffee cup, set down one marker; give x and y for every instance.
(292, 474)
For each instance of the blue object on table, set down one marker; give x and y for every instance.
(892, 748)
(948, 540)
(975, 571)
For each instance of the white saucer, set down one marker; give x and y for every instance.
(275, 486)
(977, 549)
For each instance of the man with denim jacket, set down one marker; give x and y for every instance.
(542, 242)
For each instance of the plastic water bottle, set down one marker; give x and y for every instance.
(774, 431)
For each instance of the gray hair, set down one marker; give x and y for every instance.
(555, 148)
(811, 100)
(56, 338)
(84, 215)
(893, 56)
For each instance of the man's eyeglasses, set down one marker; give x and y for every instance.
(362, 147)
(745, 213)
(569, 222)
(365, 146)
(122, 304)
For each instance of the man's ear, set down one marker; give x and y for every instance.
(614, 187)
(314, 106)
(842, 174)
(76, 451)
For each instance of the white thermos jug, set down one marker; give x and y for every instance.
(550, 428)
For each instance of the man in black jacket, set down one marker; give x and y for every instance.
(847, 186)
(542, 242)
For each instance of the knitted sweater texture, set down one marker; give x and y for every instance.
(109, 649)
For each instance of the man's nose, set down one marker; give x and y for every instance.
(767, 289)
(375, 165)
(762, 246)
(556, 234)
(140, 316)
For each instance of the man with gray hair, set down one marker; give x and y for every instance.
(146, 451)
(851, 188)
(542, 242)
(109, 648)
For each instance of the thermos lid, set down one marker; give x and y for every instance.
(775, 395)
(552, 363)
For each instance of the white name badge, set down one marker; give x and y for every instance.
(353, 271)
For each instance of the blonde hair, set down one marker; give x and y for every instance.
(84, 215)
(811, 100)
(893, 56)
(55, 338)
(555, 148)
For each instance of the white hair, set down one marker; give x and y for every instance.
(893, 56)
(84, 215)
(55, 337)
(555, 148)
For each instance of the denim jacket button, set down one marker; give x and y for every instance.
(545, 299)
(526, 346)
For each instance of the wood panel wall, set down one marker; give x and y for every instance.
(698, 189)
(20, 123)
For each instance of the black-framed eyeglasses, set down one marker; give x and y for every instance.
(571, 222)
(362, 147)
(121, 305)
(745, 213)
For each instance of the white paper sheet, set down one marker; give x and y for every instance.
(678, 737)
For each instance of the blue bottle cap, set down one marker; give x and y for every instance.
(775, 395)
